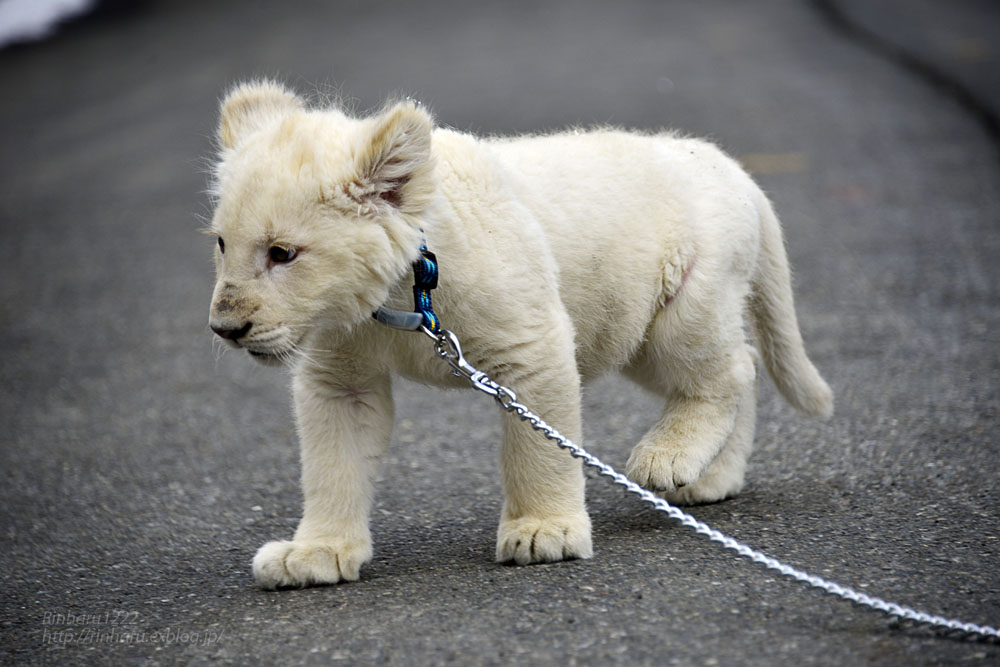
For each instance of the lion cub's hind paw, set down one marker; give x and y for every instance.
(663, 469)
(287, 564)
(530, 540)
(702, 492)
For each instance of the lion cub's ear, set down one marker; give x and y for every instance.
(394, 161)
(249, 105)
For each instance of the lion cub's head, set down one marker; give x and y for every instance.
(317, 215)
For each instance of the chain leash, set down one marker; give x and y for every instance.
(447, 347)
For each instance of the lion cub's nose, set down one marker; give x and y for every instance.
(231, 333)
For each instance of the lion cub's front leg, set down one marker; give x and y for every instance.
(544, 516)
(343, 429)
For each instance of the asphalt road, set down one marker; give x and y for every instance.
(141, 470)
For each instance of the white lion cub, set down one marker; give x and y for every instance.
(563, 257)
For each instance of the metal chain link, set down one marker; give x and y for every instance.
(447, 347)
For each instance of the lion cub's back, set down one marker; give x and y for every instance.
(617, 209)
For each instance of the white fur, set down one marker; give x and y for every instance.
(563, 257)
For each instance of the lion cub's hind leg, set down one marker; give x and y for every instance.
(696, 357)
(724, 476)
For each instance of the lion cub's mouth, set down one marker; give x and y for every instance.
(270, 346)
(275, 351)
(271, 352)
(265, 357)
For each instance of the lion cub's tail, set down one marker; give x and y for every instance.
(776, 327)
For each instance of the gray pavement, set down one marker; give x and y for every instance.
(141, 470)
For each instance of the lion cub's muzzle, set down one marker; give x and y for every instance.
(228, 317)
(271, 345)
(230, 331)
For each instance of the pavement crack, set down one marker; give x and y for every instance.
(966, 98)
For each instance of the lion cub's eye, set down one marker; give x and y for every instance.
(281, 255)
(222, 246)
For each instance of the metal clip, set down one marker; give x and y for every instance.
(447, 347)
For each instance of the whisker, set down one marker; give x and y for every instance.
(218, 350)
(311, 349)
(299, 354)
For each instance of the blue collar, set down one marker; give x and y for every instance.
(425, 278)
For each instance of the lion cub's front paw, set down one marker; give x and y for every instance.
(665, 469)
(308, 563)
(530, 540)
